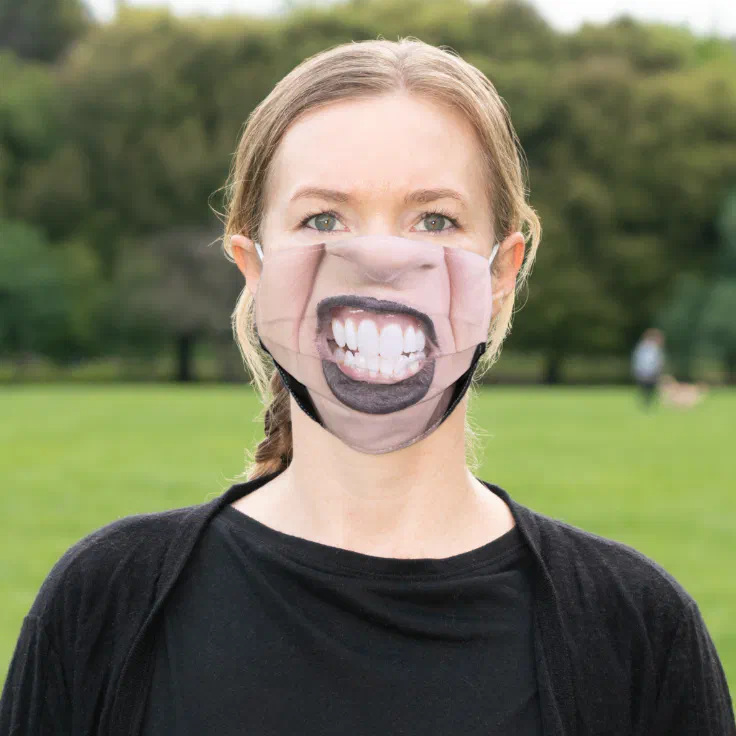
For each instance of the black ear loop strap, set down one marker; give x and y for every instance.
(296, 389)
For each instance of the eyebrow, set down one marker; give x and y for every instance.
(420, 196)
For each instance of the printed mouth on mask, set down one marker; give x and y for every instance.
(377, 354)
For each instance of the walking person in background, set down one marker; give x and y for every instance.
(647, 362)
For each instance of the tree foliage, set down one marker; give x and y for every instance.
(628, 130)
(31, 299)
(41, 29)
(718, 322)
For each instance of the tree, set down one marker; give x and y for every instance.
(42, 29)
(627, 128)
(624, 167)
(30, 126)
(32, 307)
(175, 288)
(700, 315)
(718, 322)
(681, 320)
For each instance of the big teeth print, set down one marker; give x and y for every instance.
(391, 342)
(351, 335)
(338, 332)
(368, 338)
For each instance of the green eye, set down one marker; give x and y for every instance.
(324, 222)
(435, 222)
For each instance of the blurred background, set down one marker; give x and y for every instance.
(121, 386)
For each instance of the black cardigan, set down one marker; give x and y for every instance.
(621, 647)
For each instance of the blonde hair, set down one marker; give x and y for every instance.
(353, 70)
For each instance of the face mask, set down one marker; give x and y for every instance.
(375, 337)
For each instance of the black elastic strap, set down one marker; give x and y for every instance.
(463, 383)
(296, 389)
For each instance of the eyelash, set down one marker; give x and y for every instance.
(453, 220)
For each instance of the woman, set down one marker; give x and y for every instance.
(362, 580)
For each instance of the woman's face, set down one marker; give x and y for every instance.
(376, 318)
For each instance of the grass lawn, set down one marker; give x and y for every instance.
(73, 458)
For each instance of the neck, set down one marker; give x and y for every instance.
(421, 501)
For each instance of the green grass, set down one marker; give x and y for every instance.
(73, 458)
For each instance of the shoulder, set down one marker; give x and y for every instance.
(599, 573)
(583, 565)
(121, 559)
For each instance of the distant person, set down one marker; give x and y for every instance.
(647, 362)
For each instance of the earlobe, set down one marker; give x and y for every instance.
(246, 258)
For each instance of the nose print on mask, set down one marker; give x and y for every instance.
(375, 332)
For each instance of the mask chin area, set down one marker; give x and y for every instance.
(301, 394)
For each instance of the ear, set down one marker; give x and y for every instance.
(244, 253)
(509, 259)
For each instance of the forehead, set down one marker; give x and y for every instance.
(379, 146)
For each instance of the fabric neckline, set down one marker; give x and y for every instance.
(340, 560)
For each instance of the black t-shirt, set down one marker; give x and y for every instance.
(271, 634)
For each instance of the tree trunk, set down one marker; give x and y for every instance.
(185, 357)
(683, 369)
(730, 361)
(553, 369)
(230, 362)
